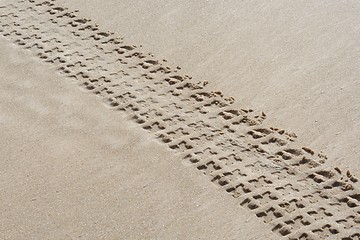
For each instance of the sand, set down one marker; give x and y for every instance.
(297, 62)
(102, 139)
(72, 169)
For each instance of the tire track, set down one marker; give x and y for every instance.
(264, 168)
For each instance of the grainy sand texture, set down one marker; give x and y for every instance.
(179, 119)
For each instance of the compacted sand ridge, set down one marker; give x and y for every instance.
(152, 152)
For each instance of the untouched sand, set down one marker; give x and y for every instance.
(101, 139)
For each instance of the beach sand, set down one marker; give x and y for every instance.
(72, 169)
(297, 62)
(210, 120)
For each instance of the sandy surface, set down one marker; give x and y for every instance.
(102, 139)
(297, 62)
(72, 169)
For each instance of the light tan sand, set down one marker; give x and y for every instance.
(72, 169)
(296, 61)
(157, 154)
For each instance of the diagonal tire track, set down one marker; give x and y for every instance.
(263, 167)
